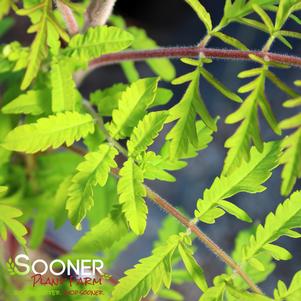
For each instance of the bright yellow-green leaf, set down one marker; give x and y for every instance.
(130, 71)
(92, 171)
(98, 41)
(249, 73)
(185, 112)
(53, 131)
(38, 52)
(148, 274)
(265, 17)
(48, 33)
(146, 131)
(63, 86)
(286, 217)
(291, 122)
(193, 268)
(132, 106)
(293, 292)
(239, 142)
(249, 179)
(230, 40)
(248, 132)
(8, 220)
(277, 252)
(291, 159)
(201, 12)
(131, 193)
(268, 114)
(33, 102)
(103, 235)
(155, 166)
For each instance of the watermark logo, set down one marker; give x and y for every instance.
(59, 273)
(82, 267)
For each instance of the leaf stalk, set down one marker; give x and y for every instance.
(192, 52)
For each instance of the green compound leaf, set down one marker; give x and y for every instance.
(107, 100)
(246, 296)
(170, 294)
(249, 179)
(291, 122)
(33, 102)
(53, 131)
(281, 223)
(130, 71)
(204, 136)
(63, 86)
(265, 259)
(235, 10)
(155, 166)
(98, 41)
(92, 171)
(148, 274)
(8, 220)
(48, 32)
(265, 17)
(230, 40)
(131, 192)
(291, 293)
(214, 293)
(146, 131)
(193, 268)
(39, 48)
(285, 10)
(132, 107)
(103, 236)
(291, 160)
(185, 112)
(201, 12)
(248, 132)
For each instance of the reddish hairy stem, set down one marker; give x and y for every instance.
(207, 241)
(69, 18)
(193, 51)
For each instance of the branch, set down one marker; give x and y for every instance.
(179, 52)
(98, 12)
(166, 206)
(208, 242)
(68, 16)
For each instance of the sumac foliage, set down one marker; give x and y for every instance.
(64, 158)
